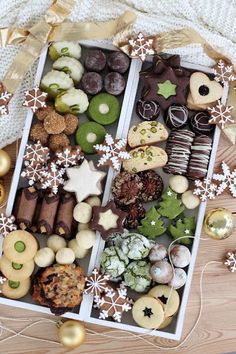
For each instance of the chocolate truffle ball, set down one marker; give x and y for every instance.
(118, 61)
(199, 123)
(180, 256)
(161, 272)
(95, 60)
(148, 110)
(92, 83)
(157, 253)
(176, 117)
(114, 83)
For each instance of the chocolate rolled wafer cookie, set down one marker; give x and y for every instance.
(47, 213)
(26, 207)
(178, 149)
(64, 219)
(200, 155)
(34, 226)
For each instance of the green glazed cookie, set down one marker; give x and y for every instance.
(171, 206)
(64, 48)
(72, 101)
(88, 135)
(55, 82)
(104, 109)
(70, 66)
(183, 227)
(113, 261)
(137, 276)
(152, 225)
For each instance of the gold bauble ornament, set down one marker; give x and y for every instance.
(219, 223)
(5, 163)
(2, 194)
(71, 333)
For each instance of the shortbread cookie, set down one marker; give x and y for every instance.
(16, 271)
(145, 158)
(204, 90)
(197, 107)
(146, 133)
(20, 246)
(168, 297)
(15, 289)
(148, 312)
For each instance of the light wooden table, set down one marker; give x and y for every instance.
(216, 330)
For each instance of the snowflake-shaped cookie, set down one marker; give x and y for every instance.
(112, 152)
(223, 72)
(96, 284)
(220, 115)
(2, 281)
(52, 178)
(205, 189)
(5, 97)
(69, 156)
(227, 180)
(141, 46)
(36, 153)
(35, 99)
(33, 173)
(113, 304)
(6, 224)
(230, 261)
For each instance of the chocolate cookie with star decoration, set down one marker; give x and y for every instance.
(148, 312)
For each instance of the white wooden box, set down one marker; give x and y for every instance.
(85, 312)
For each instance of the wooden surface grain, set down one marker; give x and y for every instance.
(215, 332)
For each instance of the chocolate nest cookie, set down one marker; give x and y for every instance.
(136, 212)
(152, 185)
(126, 188)
(60, 287)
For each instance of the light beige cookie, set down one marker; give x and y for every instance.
(169, 298)
(15, 289)
(148, 312)
(167, 321)
(145, 158)
(147, 133)
(204, 90)
(198, 107)
(16, 271)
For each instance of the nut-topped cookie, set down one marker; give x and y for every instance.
(146, 133)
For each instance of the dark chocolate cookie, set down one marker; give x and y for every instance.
(95, 60)
(152, 185)
(176, 117)
(126, 188)
(199, 123)
(200, 155)
(148, 110)
(118, 61)
(136, 212)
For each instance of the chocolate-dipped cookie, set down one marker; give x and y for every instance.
(177, 116)
(114, 83)
(148, 110)
(118, 61)
(95, 60)
(135, 212)
(92, 83)
(126, 188)
(199, 123)
(200, 155)
(152, 185)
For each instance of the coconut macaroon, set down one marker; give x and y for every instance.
(73, 101)
(55, 82)
(64, 48)
(70, 66)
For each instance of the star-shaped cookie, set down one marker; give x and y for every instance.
(84, 180)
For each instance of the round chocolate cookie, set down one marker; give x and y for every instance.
(126, 188)
(152, 185)
(148, 110)
(114, 83)
(177, 116)
(118, 61)
(199, 123)
(136, 212)
(92, 83)
(95, 60)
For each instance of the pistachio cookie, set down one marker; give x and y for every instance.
(64, 48)
(15, 289)
(55, 82)
(147, 133)
(72, 101)
(148, 312)
(16, 271)
(20, 246)
(104, 109)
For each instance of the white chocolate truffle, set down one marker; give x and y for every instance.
(82, 212)
(179, 278)
(78, 251)
(178, 184)
(180, 256)
(190, 200)
(82, 226)
(56, 242)
(44, 257)
(70, 66)
(65, 256)
(86, 238)
(93, 201)
(157, 253)
(161, 272)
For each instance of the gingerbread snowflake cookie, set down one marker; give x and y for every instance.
(223, 72)
(69, 156)
(6, 224)
(35, 99)
(221, 115)
(5, 98)
(36, 154)
(141, 46)
(205, 189)
(226, 179)
(96, 284)
(230, 261)
(52, 178)
(33, 173)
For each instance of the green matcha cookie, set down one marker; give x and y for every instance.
(114, 261)
(88, 135)
(170, 206)
(55, 82)
(104, 109)
(137, 276)
(152, 226)
(183, 227)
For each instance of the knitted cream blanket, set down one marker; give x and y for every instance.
(215, 20)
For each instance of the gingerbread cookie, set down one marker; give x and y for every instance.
(36, 154)
(148, 312)
(146, 133)
(204, 90)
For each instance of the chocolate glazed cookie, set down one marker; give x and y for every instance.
(200, 155)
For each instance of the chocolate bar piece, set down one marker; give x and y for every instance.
(48, 213)
(64, 220)
(26, 207)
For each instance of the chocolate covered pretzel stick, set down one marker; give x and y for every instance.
(26, 207)
(48, 213)
(65, 215)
